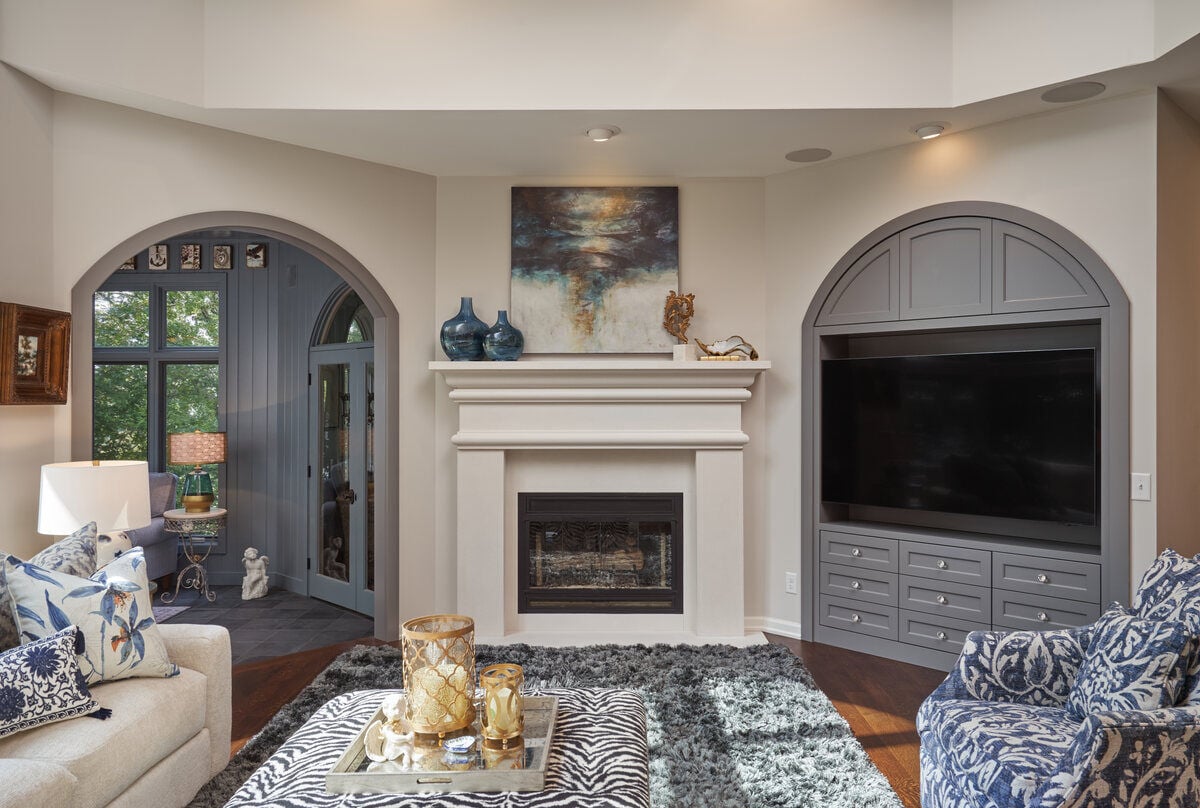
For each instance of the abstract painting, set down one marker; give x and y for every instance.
(591, 268)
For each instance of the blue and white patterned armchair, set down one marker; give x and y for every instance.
(1005, 730)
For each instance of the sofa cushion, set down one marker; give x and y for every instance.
(1000, 749)
(112, 610)
(151, 718)
(1132, 664)
(74, 555)
(40, 683)
(35, 784)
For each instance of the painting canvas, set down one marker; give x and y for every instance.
(591, 268)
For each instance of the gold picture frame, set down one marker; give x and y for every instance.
(34, 349)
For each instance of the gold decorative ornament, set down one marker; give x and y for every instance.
(677, 315)
(439, 673)
(503, 717)
(730, 346)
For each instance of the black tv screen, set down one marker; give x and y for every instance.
(1009, 435)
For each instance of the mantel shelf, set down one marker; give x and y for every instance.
(599, 373)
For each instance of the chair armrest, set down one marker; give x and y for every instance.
(205, 649)
(1129, 758)
(1026, 667)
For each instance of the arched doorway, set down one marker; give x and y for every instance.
(386, 366)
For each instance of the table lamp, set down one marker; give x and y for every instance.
(115, 494)
(199, 448)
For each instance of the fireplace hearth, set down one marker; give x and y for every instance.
(600, 553)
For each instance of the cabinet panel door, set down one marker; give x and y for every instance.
(1032, 273)
(869, 291)
(946, 268)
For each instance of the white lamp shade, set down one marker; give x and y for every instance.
(115, 494)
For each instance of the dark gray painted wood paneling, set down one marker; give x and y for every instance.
(1033, 273)
(946, 268)
(869, 291)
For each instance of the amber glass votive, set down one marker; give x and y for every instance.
(439, 673)
(503, 705)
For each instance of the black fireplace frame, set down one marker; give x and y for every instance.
(547, 506)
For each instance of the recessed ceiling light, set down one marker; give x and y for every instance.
(603, 133)
(928, 131)
(807, 155)
(1073, 92)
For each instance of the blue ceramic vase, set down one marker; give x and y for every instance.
(462, 335)
(502, 342)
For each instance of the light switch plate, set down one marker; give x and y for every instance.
(1139, 487)
(789, 583)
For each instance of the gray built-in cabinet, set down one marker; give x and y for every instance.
(961, 277)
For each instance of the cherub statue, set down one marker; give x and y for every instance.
(333, 567)
(254, 585)
(677, 315)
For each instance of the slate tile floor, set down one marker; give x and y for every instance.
(280, 623)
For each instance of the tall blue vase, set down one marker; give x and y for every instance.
(462, 335)
(503, 342)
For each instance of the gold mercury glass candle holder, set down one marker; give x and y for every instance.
(439, 673)
(503, 716)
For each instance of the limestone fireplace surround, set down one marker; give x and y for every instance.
(601, 425)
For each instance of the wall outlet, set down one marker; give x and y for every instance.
(789, 583)
(1139, 487)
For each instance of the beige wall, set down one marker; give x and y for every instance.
(1089, 168)
(117, 172)
(721, 260)
(1178, 332)
(27, 434)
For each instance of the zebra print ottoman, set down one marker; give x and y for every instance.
(598, 759)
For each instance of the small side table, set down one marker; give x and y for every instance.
(198, 531)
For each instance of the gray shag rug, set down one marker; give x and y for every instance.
(728, 727)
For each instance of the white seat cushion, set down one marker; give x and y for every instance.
(151, 718)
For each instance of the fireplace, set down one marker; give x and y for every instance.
(600, 553)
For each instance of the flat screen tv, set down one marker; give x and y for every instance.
(1003, 442)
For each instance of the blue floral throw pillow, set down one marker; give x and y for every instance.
(1170, 590)
(74, 555)
(40, 683)
(1132, 664)
(112, 609)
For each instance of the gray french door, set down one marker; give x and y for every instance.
(342, 486)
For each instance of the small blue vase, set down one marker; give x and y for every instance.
(462, 335)
(502, 342)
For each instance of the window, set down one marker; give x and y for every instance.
(157, 365)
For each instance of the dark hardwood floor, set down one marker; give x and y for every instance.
(878, 698)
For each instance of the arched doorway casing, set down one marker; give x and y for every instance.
(950, 278)
(387, 368)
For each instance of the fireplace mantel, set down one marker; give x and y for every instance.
(562, 424)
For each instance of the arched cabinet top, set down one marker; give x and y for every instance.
(961, 259)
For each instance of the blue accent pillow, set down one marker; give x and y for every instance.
(40, 683)
(112, 609)
(1170, 590)
(74, 555)
(1132, 664)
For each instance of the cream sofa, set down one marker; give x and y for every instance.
(165, 739)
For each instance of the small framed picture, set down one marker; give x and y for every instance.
(256, 256)
(159, 256)
(130, 265)
(222, 256)
(189, 256)
(33, 355)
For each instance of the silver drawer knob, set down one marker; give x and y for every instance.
(854, 618)
(855, 585)
(1043, 578)
(856, 552)
(941, 635)
(1045, 618)
(942, 599)
(941, 564)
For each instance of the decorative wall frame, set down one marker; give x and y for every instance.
(159, 257)
(130, 265)
(34, 346)
(189, 256)
(592, 266)
(222, 256)
(256, 256)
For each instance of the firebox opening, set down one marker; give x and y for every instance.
(600, 553)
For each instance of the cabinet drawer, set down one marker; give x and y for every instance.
(944, 563)
(860, 552)
(862, 618)
(1024, 611)
(948, 598)
(1077, 580)
(936, 631)
(864, 585)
